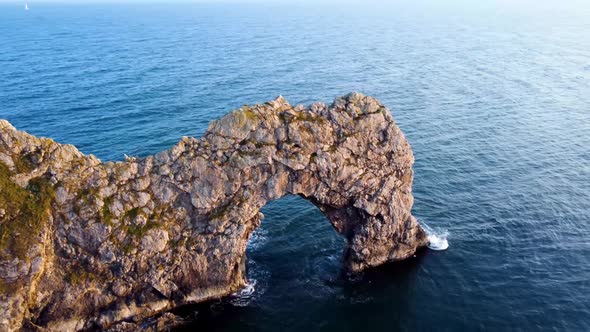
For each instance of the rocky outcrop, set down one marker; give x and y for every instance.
(86, 244)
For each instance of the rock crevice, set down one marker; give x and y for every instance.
(86, 244)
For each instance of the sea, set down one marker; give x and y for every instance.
(493, 96)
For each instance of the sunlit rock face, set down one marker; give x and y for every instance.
(86, 244)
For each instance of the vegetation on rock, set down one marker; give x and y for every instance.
(25, 213)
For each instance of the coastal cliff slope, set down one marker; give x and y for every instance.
(86, 244)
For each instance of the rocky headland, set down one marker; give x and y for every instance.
(92, 245)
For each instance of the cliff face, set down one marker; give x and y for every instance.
(85, 244)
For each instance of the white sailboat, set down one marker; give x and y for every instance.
(26, 6)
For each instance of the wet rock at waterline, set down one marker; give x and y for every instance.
(86, 244)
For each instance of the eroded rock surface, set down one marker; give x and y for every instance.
(86, 244)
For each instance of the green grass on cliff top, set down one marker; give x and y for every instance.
(25, 213)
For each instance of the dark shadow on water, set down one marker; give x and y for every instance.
(355, 302)
(296, 262)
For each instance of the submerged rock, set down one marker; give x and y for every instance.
(85, 244)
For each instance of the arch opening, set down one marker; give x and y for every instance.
(295, 250)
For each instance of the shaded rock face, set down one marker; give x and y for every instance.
(86, 244)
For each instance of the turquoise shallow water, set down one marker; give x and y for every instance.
(494, 98)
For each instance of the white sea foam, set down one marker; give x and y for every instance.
(258, 239)
(243, 297)
(437, 240)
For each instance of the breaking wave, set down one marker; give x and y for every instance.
(245, 295)
(437, 240)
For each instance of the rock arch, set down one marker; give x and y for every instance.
(122, 240)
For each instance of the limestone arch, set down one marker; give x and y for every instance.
(149, 234)
(348, 159)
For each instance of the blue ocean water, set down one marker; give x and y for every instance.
(493, 96)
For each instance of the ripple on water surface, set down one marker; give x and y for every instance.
(493, 99)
